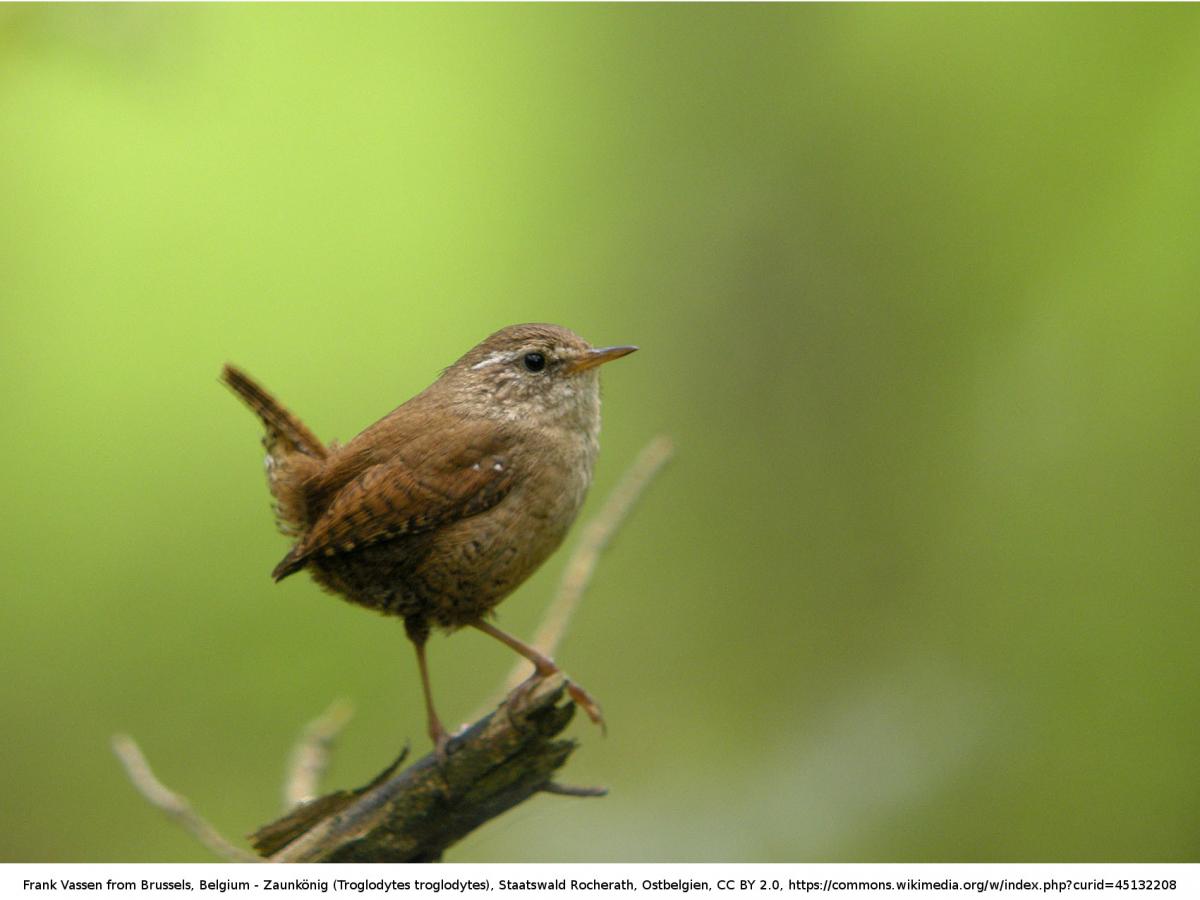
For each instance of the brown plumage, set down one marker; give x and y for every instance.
(443, 507)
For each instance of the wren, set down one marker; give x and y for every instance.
(443, 507)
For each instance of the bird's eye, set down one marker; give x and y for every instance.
(534, 362)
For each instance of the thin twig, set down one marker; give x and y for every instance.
(310, 756)
(570, 790)
(578, 573)
(174, 805)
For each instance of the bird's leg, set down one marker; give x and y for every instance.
(418, 633)
(544, 666)
(437, 731)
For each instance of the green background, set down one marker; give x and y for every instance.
(916, 291)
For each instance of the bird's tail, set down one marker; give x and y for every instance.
(294, 453)
(283, 428)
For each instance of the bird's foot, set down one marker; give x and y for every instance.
(587, 703)
(578, 695)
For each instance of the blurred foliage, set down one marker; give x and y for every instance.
(916, 289)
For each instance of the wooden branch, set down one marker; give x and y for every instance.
(414, 814)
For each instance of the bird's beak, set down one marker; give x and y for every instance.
(597, 356)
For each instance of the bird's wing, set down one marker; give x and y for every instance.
(397, 498)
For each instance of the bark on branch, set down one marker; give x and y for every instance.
(413, 815)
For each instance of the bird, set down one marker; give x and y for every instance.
(442, 508)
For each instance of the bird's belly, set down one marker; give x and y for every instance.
(455, 574)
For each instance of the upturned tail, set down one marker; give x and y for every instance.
(284, 430)
(294, 454)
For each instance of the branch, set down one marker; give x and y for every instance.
(413, 815)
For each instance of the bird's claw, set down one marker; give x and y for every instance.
(587, 703)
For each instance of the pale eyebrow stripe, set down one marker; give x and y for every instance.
(494, 358)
